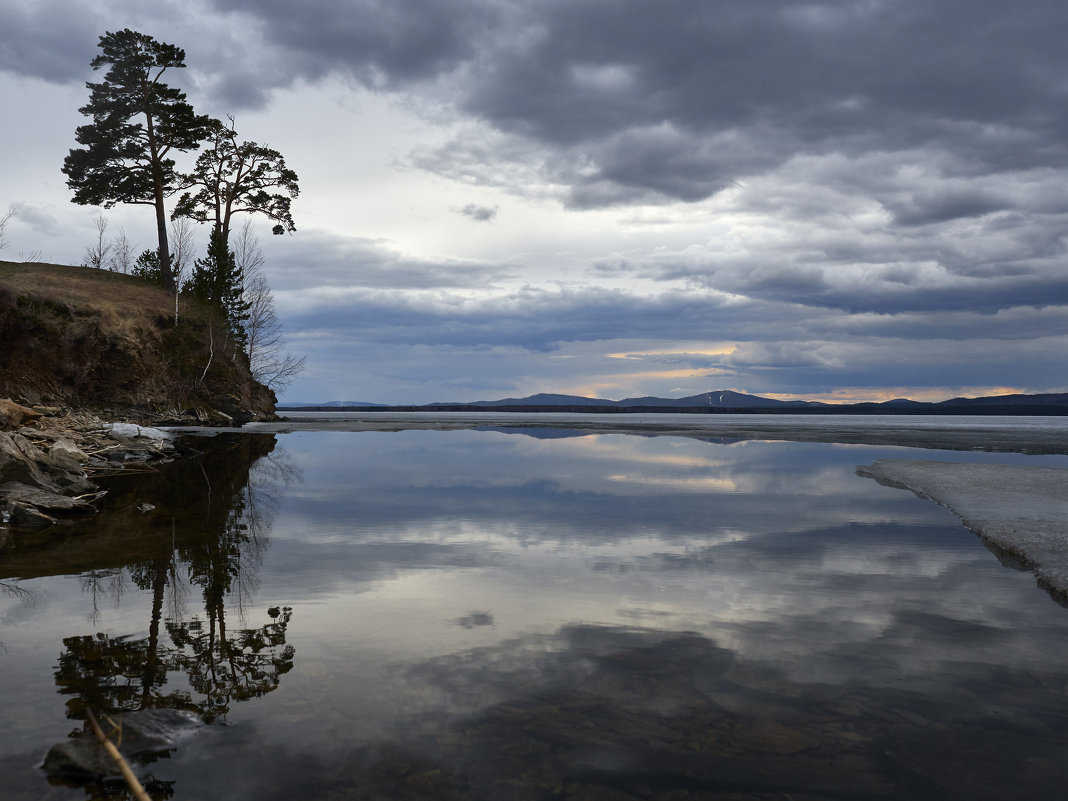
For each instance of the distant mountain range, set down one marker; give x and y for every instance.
(722, 398)
(725, 400)
(330, 404)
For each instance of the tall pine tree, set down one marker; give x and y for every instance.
(138, 123)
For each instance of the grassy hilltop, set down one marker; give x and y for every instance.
(100, 340)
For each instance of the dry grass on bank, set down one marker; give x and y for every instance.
(113, 296)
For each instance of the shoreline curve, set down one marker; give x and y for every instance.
(1019, 513)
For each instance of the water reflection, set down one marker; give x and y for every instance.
(605, 710)
(196, 557)
(483, 615)
(113, 674)
(596, 712)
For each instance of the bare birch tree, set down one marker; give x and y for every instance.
(3, 227)
(96, 255)
(122, 253)
(182, 244)
(271, 365)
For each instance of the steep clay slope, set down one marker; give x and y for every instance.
(103, 341)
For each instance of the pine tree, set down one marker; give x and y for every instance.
(233, 177)
(138, 123)
(147, 266)
(219, 281)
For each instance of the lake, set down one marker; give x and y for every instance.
(535, 612)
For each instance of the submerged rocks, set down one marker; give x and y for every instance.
(138, 735)
(45, 500)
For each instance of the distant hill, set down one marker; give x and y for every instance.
(332, 404)
(541, 399)
(1045, 399)
(720, 398)
(726, 400)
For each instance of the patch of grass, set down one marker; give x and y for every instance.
(86, 288)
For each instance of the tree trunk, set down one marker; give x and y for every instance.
(164, 251)
(161, 209)
(148, 672)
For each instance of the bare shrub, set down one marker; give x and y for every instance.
(271, 365)
(96, 255)
(3, 227)
(122, 254)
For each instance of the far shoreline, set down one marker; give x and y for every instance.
(880, 410)
(992, 433)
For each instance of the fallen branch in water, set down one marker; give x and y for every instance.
(124, 766)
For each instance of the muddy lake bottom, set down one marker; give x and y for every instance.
(536, 613)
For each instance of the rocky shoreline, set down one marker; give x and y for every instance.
(49, 457)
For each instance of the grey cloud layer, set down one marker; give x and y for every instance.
(885, 181)
(674, 99)
(49, 39)
(678, 99)
(779, 347)
(334, 262)
(950, 119)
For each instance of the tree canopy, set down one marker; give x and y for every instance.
(138, 122)
(232, 177)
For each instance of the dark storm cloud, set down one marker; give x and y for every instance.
(892, 291)
(791, 335)
(1017, 325)
(695, 95)
(653, 99)
(533, 319)
(479, 213)
(378, 42)
(48, 39)
(943, 206)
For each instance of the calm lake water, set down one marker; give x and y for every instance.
(536, 614)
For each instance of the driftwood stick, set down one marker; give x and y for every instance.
(127, 773)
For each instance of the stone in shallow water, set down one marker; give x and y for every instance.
(144, 734)
(44, 499)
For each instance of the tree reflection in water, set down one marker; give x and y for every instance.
(217, 509)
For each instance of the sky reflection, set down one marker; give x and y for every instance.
(697, 603)
(774, 549)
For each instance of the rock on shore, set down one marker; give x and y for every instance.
(48, 457)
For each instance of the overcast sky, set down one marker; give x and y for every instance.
(838, 200)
